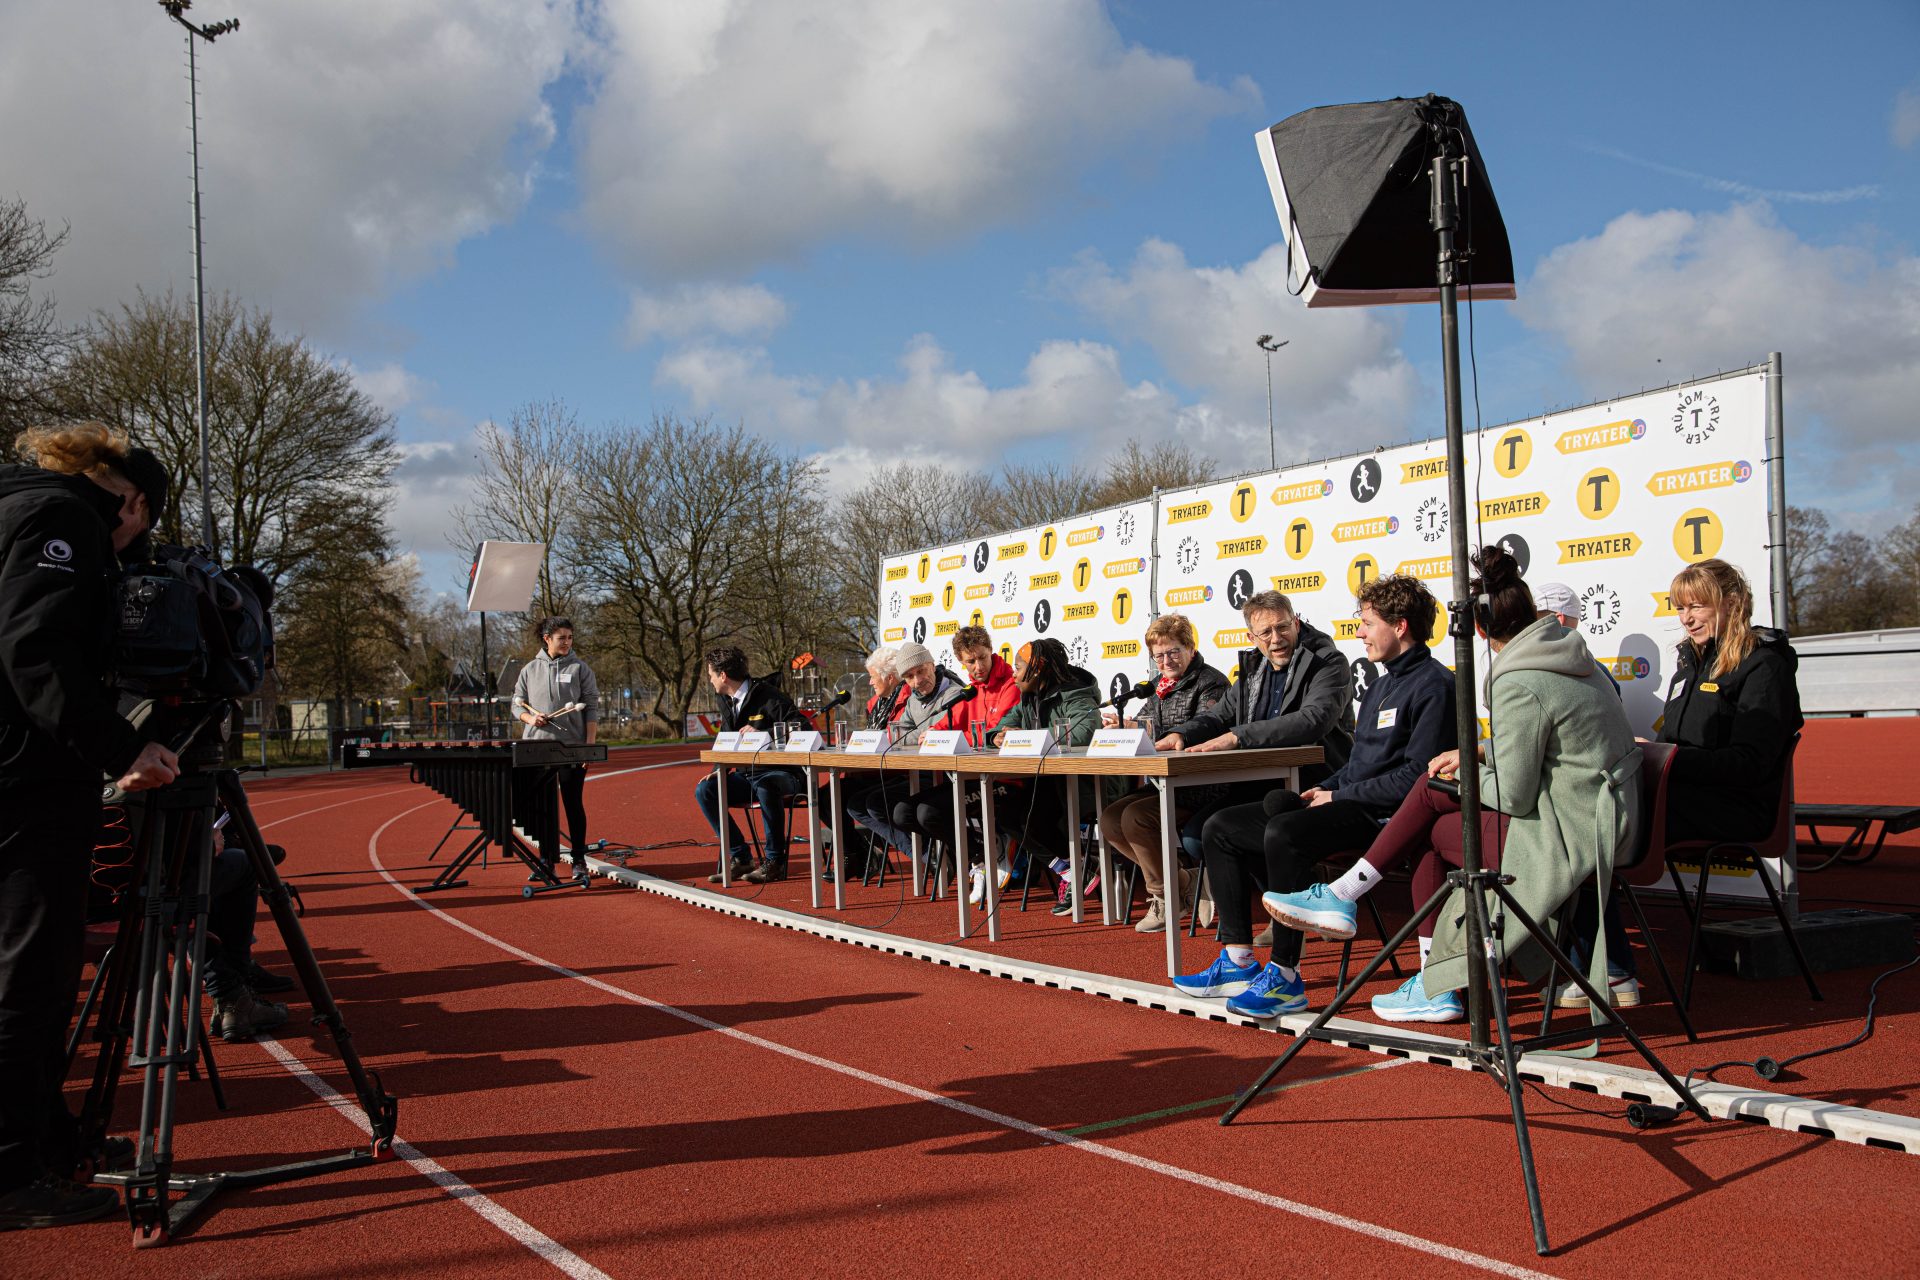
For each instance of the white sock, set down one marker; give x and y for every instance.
(1426, 945)
(1242, 956)
(1357, 883)
(1289, 974)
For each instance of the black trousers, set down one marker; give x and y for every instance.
(47, 837)
(572, 781)
(573, 785)
(1249, 853)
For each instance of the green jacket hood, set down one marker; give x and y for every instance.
(1545, 646)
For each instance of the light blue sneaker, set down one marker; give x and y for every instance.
(1313, 910)
(1222, 978)
(1409, 1002)
(1270, 995)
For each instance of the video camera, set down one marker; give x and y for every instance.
(189, 628)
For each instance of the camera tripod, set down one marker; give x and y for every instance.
(150, 987)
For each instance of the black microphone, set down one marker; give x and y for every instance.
(1125, 696)
(845, 696)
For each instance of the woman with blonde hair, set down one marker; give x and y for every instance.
(1733, 709)
(1184, 686)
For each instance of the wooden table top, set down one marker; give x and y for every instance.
(1073, 762)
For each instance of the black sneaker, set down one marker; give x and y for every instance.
(52, 1201)
(238, 1017)
(738, 871)
(767, 871)
(265, 980)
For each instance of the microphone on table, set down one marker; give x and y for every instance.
(842, 699)
(1125, 696)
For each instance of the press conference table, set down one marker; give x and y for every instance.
(1166, 771)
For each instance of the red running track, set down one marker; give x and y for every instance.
(609, 1083)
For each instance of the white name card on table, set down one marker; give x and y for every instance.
(729, 741)
(867, 742)
(1027, 742)
(945, 742)
(805, 740)
(751, 741)
(1120, 742)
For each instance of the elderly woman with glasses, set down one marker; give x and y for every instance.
(1186, 687)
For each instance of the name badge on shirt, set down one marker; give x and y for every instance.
(565, 677)
(1708, 686)
(1389, 717)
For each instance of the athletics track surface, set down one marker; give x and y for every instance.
(701, 1094)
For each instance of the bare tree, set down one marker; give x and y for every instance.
(670, 535)
(1039, 494)
(344, 636)
(1134, 473)
(31, 342)
(1809, 538)
(301, 457)
(528, 492)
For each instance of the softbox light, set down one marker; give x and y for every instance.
(1353, 187)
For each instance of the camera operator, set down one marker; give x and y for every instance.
(62, 523)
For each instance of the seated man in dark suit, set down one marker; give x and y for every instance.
(756, 703)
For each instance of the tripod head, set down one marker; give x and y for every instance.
(196, 730)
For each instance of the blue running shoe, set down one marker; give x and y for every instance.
(1313, 910)
(1222, 978)
(1270, 995)
(1410, 1003)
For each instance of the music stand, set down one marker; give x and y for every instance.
(501, 581)
(1371, 180)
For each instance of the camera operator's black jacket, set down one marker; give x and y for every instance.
(57, 627)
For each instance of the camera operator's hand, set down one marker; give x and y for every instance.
(155, 766)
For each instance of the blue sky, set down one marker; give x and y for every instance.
(975, 230)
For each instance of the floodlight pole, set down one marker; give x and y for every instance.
(176, 10)
(1266, 343)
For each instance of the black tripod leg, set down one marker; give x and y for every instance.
(1597, 999)
(381, 1107)
(1339, 1002)
(1509, 1079)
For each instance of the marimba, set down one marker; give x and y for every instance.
(500, 784)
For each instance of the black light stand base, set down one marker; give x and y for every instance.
(1499, 1060)
(157, 1219)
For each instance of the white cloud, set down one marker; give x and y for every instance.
(1700, 292)
(733, 310)
(1745, 190)
(727, 135)
(1905, 125)
(1341, 381)
(343, 145)
(932, 411)
(391, 386)
(433, 478)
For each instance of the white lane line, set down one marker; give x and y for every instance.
(304, 813)
(518, 1229)
(1358, 1226)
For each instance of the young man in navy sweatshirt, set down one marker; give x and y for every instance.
(1406, 718)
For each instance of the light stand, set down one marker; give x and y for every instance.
(1482, 890)
(176, 10)
(1266, 343)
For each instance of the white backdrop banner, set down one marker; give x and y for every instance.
(1087, 581)
(1611, 499)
